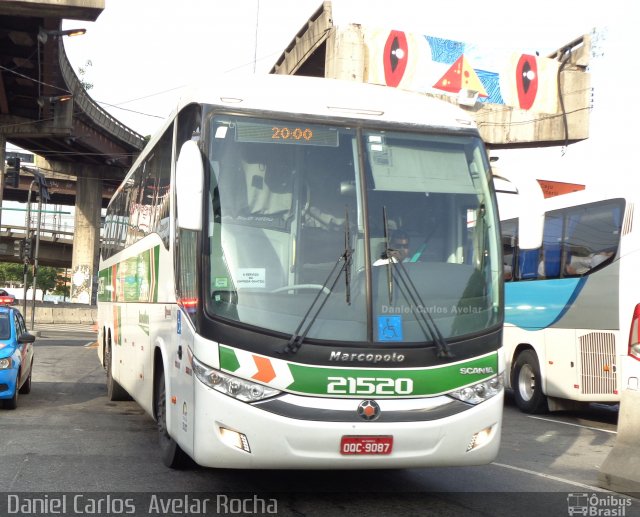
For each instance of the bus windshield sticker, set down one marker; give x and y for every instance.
(221, 282)
(221, 131)
(390, 328)
(251, 277)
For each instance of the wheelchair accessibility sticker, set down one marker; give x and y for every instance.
(390, 328)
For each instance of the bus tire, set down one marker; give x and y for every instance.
(527, 384)
(115, 392)
(172, 455)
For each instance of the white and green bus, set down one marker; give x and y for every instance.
(251, 295)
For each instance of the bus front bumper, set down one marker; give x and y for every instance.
(233, 434)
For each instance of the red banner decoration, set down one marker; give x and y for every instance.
(527, 80)
(396, 53)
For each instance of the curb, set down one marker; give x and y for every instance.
(620, 472)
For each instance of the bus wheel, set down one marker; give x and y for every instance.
(527, 384)
(114, 390)
(172, 455)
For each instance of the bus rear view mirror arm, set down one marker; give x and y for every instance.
(531, 226)
(189, 186)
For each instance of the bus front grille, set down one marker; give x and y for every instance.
(598, 363)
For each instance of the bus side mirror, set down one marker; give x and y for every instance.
(523, 198)
(189, 187)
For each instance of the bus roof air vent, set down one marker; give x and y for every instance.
(357, 111)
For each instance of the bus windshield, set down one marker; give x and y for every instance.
(383, 231)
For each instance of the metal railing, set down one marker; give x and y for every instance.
(49, 232)
(91, 108)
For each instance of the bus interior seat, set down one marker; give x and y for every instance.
(255, 180)
(268, 181)
(241, 249)
(326, 172)
(318, 252)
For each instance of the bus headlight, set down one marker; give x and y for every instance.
(235, 387)
(480, 391)
(5, 363)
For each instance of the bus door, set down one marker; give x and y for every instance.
(180, 403)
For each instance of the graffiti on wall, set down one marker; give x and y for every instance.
(81, 284)
(436, 65)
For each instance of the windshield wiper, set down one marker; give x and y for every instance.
(297, 338)
(408, 288)
(347, 254)
(412, 295)
(388, 253)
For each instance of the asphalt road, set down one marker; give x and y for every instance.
(67, 441)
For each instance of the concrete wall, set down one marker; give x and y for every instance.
(56, 314)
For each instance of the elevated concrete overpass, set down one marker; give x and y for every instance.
(45, 109)
(55, 248)
(525, 101)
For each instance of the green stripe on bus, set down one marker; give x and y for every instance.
(104, 285)
(424, 381)
(156, 271)
(337, 381)
(228, 359)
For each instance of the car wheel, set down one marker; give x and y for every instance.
(115, 392)
(26, 387)
(172, 455)
(527, 384)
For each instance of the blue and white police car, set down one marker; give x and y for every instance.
(16, 357)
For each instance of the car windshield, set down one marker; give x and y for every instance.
(302, 216)
(5, 326)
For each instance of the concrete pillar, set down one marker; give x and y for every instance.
(86, 243)
(345, 58)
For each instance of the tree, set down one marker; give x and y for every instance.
(82, 75)
(63, 281)
(12, 272)
(46, 277)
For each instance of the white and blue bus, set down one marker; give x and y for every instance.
(571, 305)
(239, 303)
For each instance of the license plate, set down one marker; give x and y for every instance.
(366, 445)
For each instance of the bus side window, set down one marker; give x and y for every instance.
(528, 264)
(509, 231)
(550, 267)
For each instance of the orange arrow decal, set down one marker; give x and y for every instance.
(265, 370)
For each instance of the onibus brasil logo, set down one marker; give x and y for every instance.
(597, 504)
